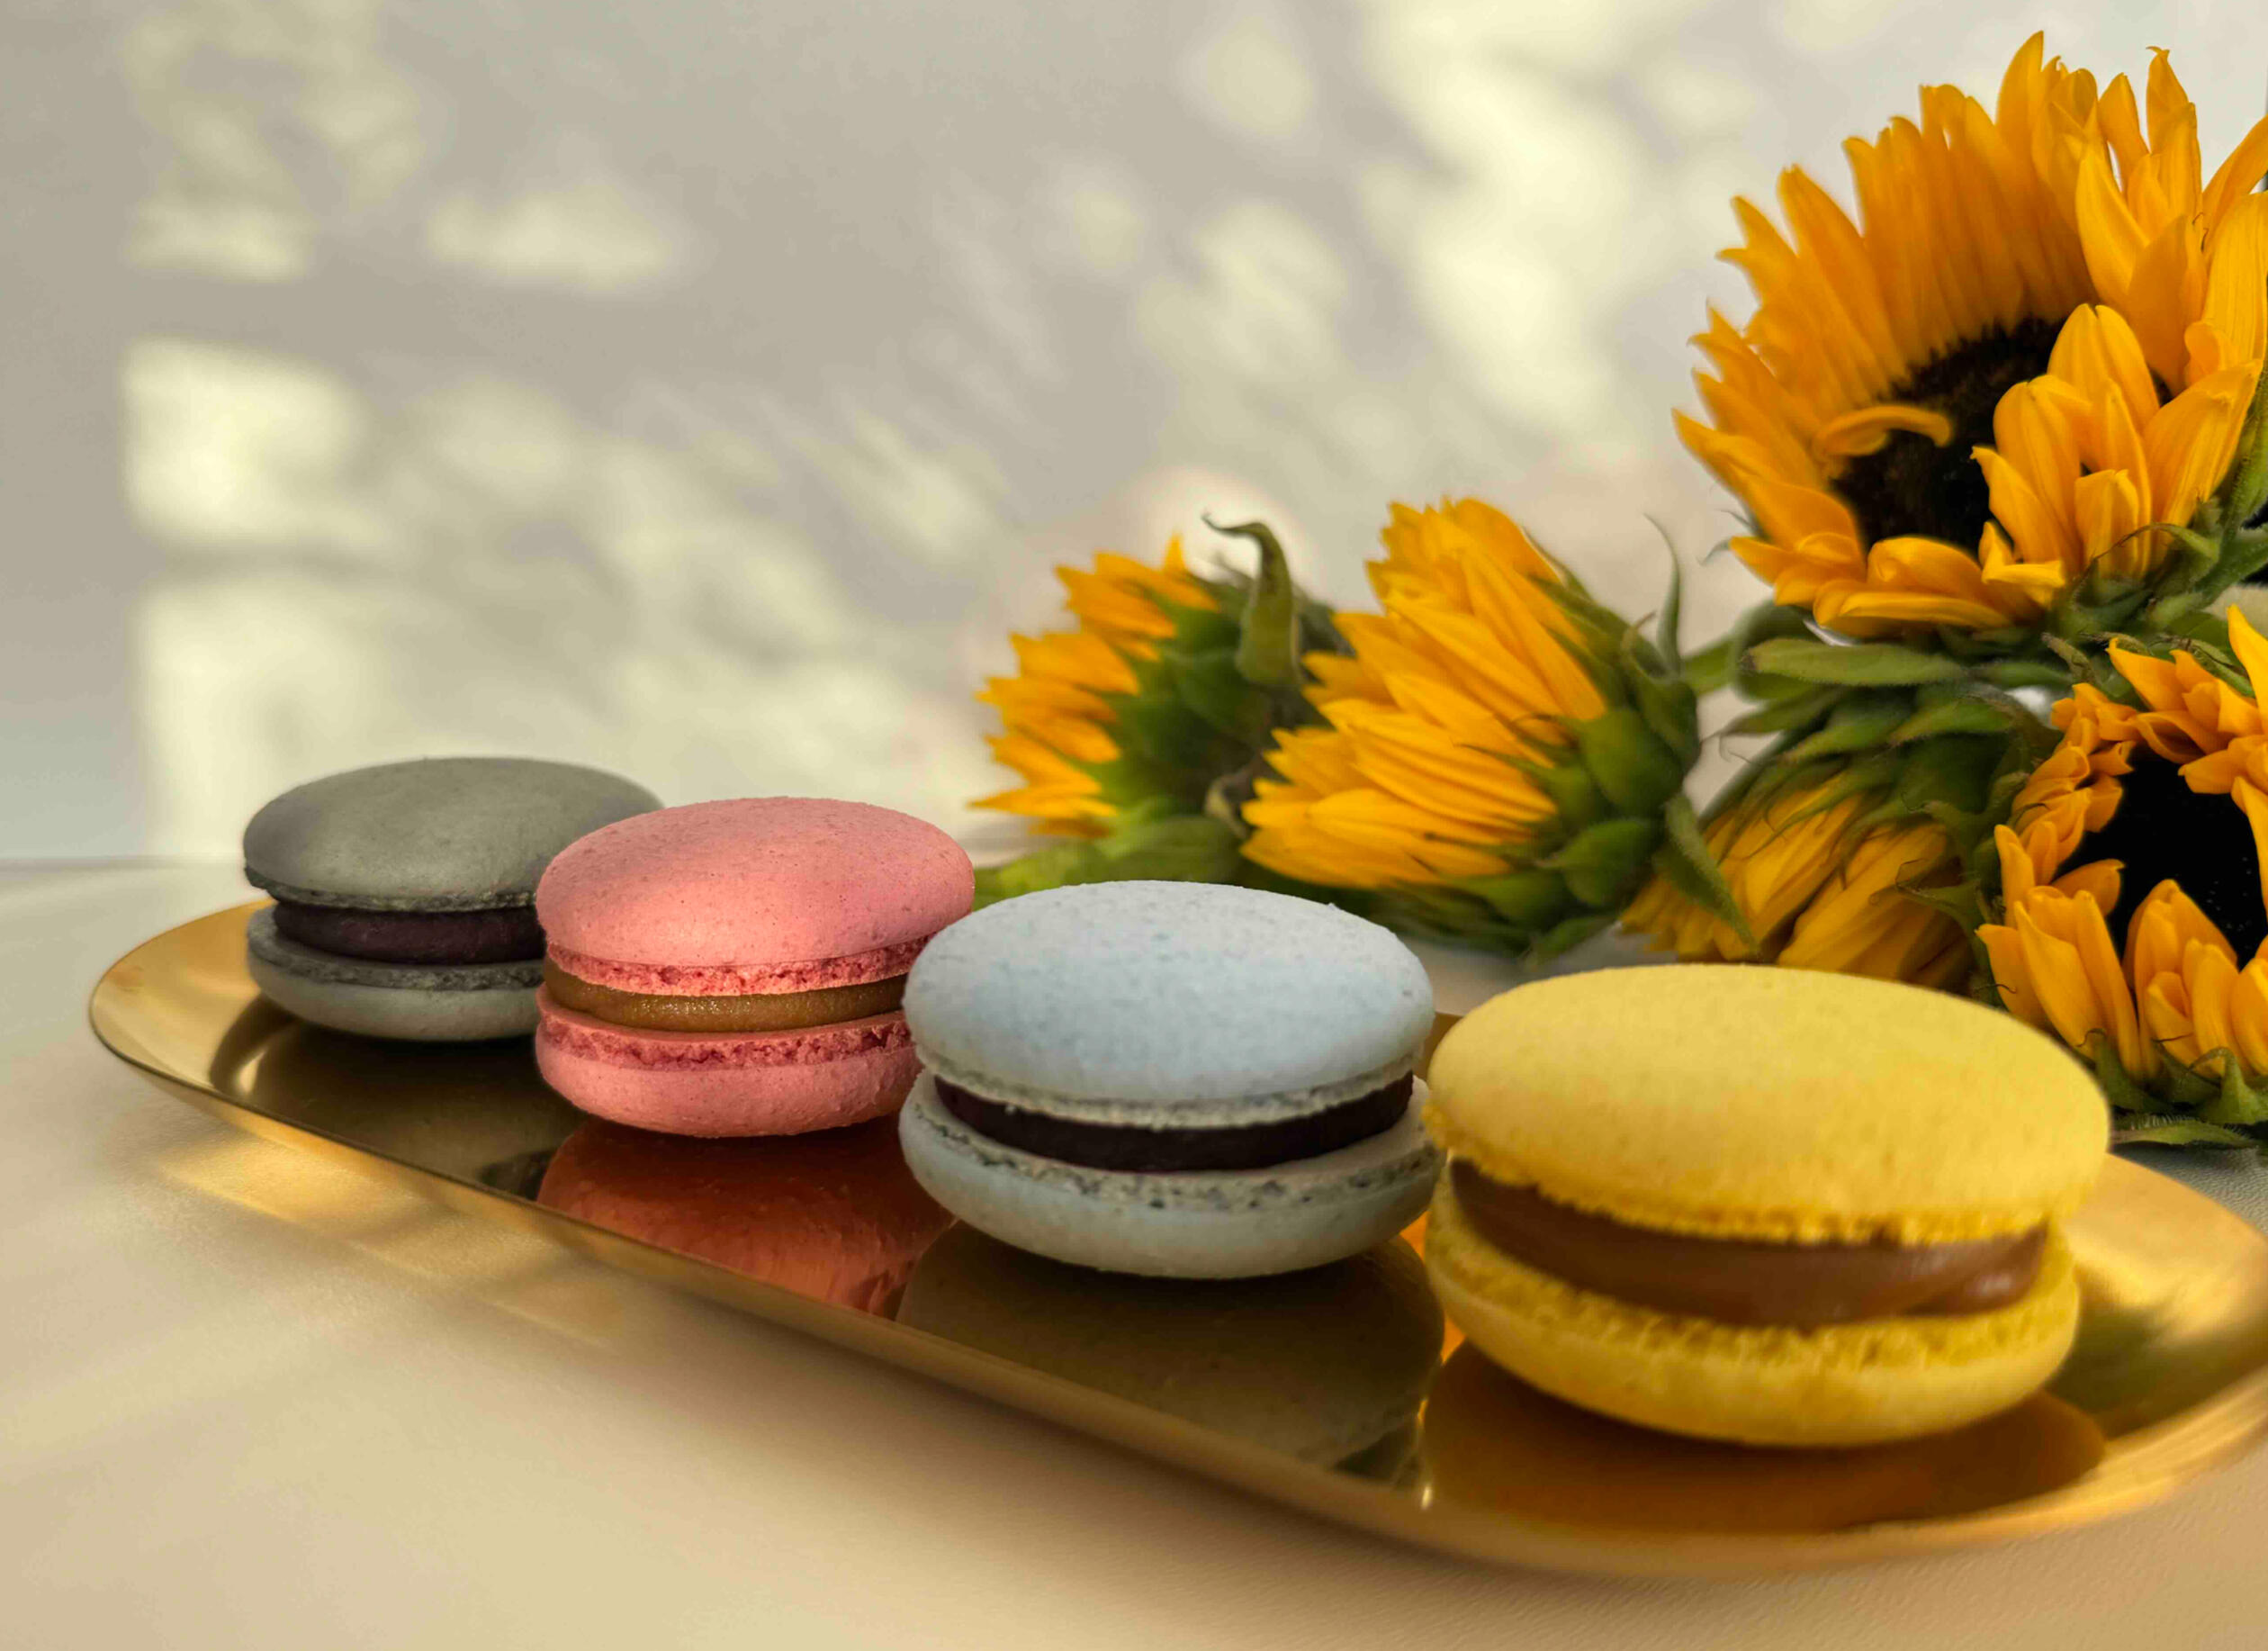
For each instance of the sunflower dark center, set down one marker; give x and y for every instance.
(2164, 829)
(1914, 486)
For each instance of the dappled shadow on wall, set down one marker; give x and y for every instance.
(708, 403)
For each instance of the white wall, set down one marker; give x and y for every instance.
(703, 390)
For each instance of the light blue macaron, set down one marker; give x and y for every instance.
(1065, 1032)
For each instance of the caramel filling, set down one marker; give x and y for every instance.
(1737, 1281)
(755, 1012)
(1130, 1147)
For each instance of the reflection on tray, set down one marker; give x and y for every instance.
(836, 1216)
(452, 1107)
(1493, 1440)
(1328, 1365)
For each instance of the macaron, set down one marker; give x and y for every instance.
(405, 893)
(1178, 1079)
(1767, 1205)
(835, 1216)
(1330, 1365)
(736, 968)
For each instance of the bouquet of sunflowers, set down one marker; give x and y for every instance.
(2002, 448)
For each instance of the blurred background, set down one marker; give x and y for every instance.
(703, 390)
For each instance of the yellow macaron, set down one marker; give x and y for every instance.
(1762, 1204)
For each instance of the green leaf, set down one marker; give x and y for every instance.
(1631, 766)
(1865, 665)
(1684, 861)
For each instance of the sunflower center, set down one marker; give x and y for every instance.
(2204, 843)
(1911, 485)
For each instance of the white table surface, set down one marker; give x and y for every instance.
(233, 1419)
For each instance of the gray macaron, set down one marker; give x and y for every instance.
(405, 892)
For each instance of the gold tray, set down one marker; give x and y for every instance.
(1334, 1391)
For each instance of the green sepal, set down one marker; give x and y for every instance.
(1209, 684)
(1268, 639)
(1635, 770)
(2145, 1130)
(1526, 899)
(1859, 722)
(1185, 848)
(1796, 708)
(1683, 859)
(1576, 799)
(1858, 665)
(1602, 863)
(2238, 1103)
(1666, 624)
(1565, 937)
(1672, 712)
(1961, 712)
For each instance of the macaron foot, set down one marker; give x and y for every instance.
(721, 1100)
(1211, 1224)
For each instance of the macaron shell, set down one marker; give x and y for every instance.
(752, 885)
(727, 1084)
(1777, 1104)
(1230, 1224)
(441, 834)
(1845, 1384)
(1215, 1002)
(417, 1014)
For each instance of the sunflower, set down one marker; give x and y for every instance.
(2131, 920)
(1134, 729)
(1821, 885)
(1495, 753)
(2042, 333)
(1062, 712)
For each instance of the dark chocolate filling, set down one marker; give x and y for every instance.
(1737, 1281)
(506, 934)
(1167, 1151)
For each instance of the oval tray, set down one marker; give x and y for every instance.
(1253, 1384)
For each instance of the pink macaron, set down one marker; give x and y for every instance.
(735, 968)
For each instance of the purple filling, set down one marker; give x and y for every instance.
(508, 934)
